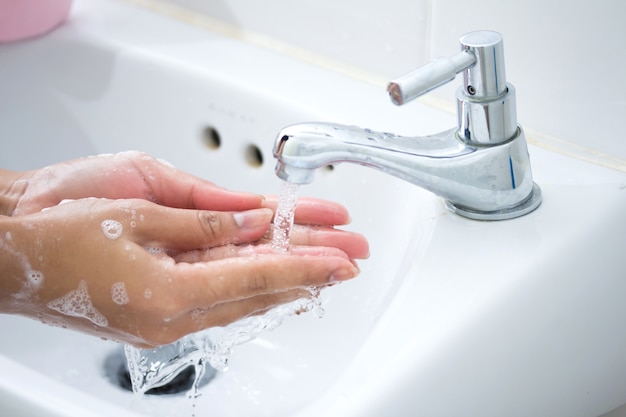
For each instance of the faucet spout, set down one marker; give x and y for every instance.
(477, 182)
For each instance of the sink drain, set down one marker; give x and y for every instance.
(116, 371)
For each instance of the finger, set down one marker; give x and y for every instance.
(353, 244)
(183, 230)
(232, 251)
(239, 278)
(314, 211)
(175, 188)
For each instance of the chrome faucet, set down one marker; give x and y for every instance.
(481, 167)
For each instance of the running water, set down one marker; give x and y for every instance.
(285, 213)
(150, 368)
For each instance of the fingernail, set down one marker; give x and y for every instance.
(253, 218)
(343, 274)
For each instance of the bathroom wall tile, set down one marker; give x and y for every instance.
(385, 38)
(566, 61)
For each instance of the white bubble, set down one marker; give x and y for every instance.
(199, 314)
(154, 251)
(77, 303)
(33, 282)
(35, 279)
(112, 228)
(119, 294)
(147, 293)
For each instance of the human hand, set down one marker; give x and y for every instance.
(147, 274)
(122, 176)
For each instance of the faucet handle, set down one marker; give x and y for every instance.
(485, 102)
(428, 77)
(482, 55)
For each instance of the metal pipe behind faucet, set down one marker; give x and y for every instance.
(481, 167)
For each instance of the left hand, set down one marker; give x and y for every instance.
(124, 176)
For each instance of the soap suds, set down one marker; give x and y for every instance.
(119, 294)
(112, 228)
(154, 250)
(77, 303)
(33, 278)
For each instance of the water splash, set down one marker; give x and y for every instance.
(150, 368)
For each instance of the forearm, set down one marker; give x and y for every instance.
(11, 188)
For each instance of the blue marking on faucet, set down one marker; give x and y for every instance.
(512, 173)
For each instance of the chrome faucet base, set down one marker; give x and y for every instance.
(530, 204)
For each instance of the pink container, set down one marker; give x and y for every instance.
(21, 19)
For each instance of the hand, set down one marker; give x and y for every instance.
(170, 271)
(123, 176)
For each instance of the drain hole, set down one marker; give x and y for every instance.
(116, 371)
(211, 138)
(254, 157)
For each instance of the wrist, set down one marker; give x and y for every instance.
(10, 191)
(10, 260)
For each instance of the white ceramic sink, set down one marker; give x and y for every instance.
(450, 317)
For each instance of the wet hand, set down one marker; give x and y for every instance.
(141, 273)
(122, 176)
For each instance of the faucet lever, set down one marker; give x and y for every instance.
(485, 101)
(482, 55)
(428, 77)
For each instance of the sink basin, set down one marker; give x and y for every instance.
(449, 317)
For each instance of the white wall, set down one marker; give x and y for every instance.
(566, 59)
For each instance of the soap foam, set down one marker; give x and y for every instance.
(77, 303)
(154, 251)
(119, 294)
(112, 228)
(34, 279)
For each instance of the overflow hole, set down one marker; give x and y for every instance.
(254, 156)
(211, 138)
